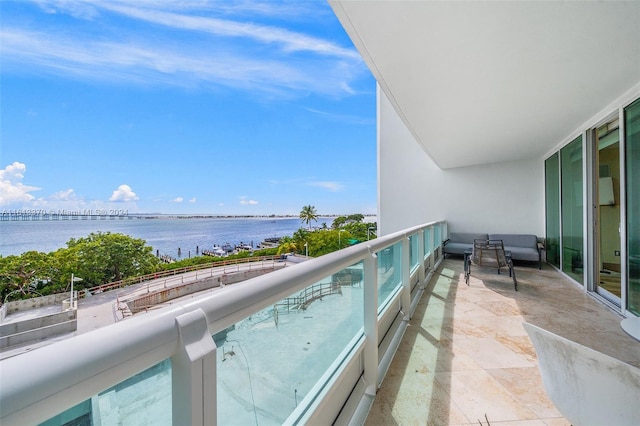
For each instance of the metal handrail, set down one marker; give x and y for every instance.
(171, 272)
(70, 371)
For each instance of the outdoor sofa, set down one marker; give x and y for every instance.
(524, 247)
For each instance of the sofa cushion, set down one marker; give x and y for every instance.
(521, 246)
(465, 237)
(460, 241)
(523, 253)
(517, 240)
(456, 248)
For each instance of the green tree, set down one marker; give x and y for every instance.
(338, 222)
(104, 257)
(287, 245)
(361, 231)
(323, 241)
(24, 275)
(307, 214)
(342, 221)
(358, 217)
(300, 235)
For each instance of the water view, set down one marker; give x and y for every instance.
(172, 236)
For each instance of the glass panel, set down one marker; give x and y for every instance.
(80, 415)
(389, 272)
(552, 205)
(427, 242)
(413, 251)
(268, 362)
(572, 210)
(438, 235)
(142, 399)
(437, 241)
(607, 180)
(632, 130)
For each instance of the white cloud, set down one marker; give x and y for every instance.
(68, 195)
(193, 200)
(331, 186)
(12, 190)
(310, 181)
(342, 118)
(289, 41)
(177, 200)
(123, 193)
(211, 50)
(77, 9)
(189, 16)
(246, 202)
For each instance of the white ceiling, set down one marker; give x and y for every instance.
(482, 82)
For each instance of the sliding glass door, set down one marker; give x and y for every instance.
(632, 163)
(572, 209)
(552, 209)
(606, 211)
(612, 188)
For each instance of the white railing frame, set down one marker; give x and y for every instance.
(42, 383)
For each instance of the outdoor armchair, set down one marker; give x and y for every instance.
(490, 253)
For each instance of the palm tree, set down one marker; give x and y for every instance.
(308, 214)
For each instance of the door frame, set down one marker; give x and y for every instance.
(592, 241)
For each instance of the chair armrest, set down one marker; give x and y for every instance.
(444, 242)
(540, 246)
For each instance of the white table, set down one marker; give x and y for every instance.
(631, 326)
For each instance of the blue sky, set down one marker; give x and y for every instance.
(170, 106)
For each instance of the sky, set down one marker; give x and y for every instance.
(183, 107)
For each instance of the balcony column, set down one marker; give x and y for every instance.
(193, 372)
(371, 323)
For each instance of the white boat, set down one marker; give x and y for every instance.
(218, 251)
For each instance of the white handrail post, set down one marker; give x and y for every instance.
(193, 372)
(421, 272)
(443, 236)
(371, 323)
(432, 245)
(406, 278)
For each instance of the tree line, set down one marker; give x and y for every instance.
(98, 258)
(344, 231)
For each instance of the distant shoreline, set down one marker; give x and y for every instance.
(64, 215)
(200, 216)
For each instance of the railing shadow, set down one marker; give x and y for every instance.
(410, 389)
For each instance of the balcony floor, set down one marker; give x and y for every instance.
(466, 359)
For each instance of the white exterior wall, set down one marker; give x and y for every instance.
(496, 198)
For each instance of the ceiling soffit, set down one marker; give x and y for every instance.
(485, 82)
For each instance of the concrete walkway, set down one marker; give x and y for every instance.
(466, 359)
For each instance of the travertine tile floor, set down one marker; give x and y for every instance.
(466, 359)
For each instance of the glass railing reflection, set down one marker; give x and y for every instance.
(268, 362)
(389, 272)
(141, 399)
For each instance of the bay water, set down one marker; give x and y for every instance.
(166, 235)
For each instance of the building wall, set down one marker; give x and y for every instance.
(495, 198)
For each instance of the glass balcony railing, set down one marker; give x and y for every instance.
(305, 343)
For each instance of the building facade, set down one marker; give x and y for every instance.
(517, 117)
